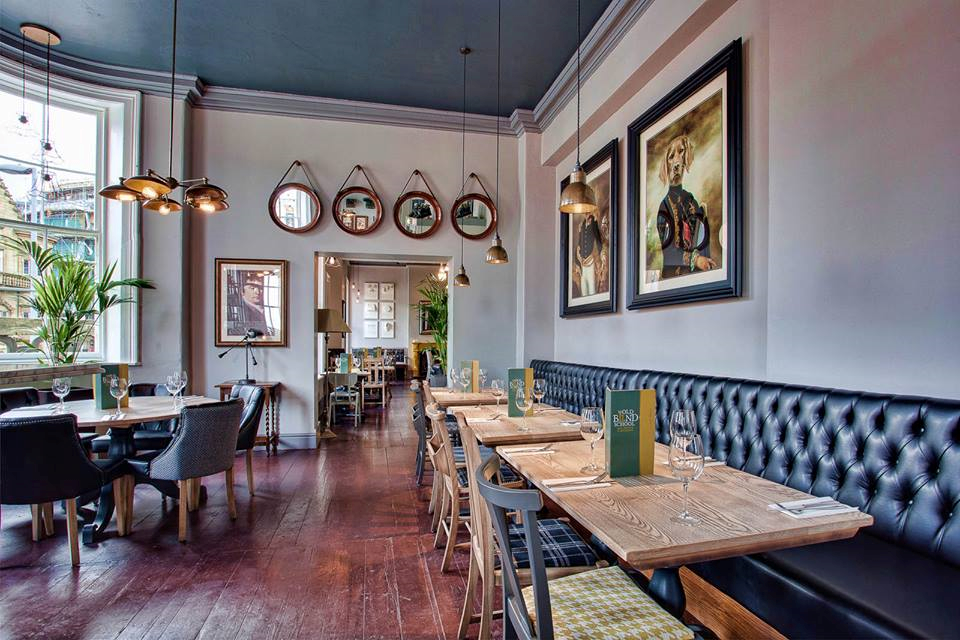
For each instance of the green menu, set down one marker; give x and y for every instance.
(101, 386)
(525, 376)
(629, 431)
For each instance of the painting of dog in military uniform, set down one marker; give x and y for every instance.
(588, 263)
(685, 157)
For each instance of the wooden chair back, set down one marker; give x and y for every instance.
(443, 454)
(499, 502)
(428, 393)
(481, 529)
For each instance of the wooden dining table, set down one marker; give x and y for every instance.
(449, 396)
(141, 409)
(632, 516)
(493, 427)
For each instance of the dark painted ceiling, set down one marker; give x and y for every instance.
(391, 51)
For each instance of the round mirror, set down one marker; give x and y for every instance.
(294, 207)
(357, 210)
(417, 214)
(474, 216)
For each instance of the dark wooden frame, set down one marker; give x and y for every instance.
(301, 187)
(285, 307)
(610, 150)
(485, 200)
(370, 193)
(423, 195)
(728, 61)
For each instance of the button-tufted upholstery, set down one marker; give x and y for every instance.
(895, 457)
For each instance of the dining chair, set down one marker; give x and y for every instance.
(598, 604)
(565, 552)
(253, 398)
(376, 383)
(421, 425)
(452, 509)
(204, 444)
(42, 461)
(345, 393)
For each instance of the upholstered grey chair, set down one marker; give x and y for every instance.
(203, 444)
(253, 398)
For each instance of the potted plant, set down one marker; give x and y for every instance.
(435, 309)
(68, 299)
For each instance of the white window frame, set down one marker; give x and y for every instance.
(119, 115)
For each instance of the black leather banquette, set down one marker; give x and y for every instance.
(895, 457)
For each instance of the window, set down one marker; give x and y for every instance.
(50, 196)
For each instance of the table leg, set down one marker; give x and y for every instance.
(666, 588)
(275, 438)
(121, 446)
(268, 422)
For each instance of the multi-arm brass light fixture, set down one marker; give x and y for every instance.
(496, 254)
(154, 189)
(577, 196)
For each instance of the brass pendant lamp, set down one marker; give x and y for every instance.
(577, 196)
(496, 254)
(462, 279)
(155, 189)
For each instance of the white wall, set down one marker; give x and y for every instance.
(247, 153)
(360, 275)
(851, 214)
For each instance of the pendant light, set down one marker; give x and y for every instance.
(496, 254)
(154, 188)
(47, 187)
(577, 196)
(22, 119)
(462, 279)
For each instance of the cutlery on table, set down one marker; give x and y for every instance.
(580, 481)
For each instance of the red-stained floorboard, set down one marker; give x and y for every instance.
(336, 544)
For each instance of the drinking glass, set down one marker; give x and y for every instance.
(183, 385)
(118, 389)
(496, 388)
(466, 375)
(482, 379)
(61, 389)
(686, 464)
(539, 390)
(591, 430)
(173, 386)
(683, 423)
(524, 402)
(453, 382)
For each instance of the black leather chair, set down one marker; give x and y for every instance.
(203, 444)
(253, 398)
(894, 457)
(17, 398)
(42, 461)
(149, 436)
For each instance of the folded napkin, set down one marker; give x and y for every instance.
(580, 487)
(812, 508)
(532, 453)
(584, 484)
(529, 449)
(483, 420)
(711, 462)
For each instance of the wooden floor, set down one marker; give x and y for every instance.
(335, 544)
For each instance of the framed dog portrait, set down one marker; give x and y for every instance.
(251, 299)
(686, 190)
(588, 242)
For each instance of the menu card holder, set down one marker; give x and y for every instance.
(101, 386)
(474, 366)
(629, 431)
(526, 377)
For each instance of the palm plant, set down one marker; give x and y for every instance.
(435, 291)
(69, 299)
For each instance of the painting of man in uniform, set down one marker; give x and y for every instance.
(251, 297)
(683, 191)
(251, 313)
(589, 245)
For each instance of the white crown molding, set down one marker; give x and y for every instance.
(616, 20)
(523, 121)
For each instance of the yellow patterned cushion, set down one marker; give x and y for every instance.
(605, 603)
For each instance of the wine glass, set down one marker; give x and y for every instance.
(466, 377)
(118, 389)
(453, 382)
(183, 385)
(61, 389)
(686, 464)
(524, 401)
(539, 390)
(591, 430)
(173, 385)
(482, 380)
(496, 388)
(683, 423)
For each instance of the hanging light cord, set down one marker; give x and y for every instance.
(497, 184)
(173, 77)
(578, 82)
(46, 107)
(463, 134)
(23, 65)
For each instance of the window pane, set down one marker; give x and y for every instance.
(17, 320)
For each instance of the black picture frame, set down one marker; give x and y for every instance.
(729, 61)
(610, 152)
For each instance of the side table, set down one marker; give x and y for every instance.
(271, 411)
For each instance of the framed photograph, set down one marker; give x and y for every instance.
(387, 311)
(588, 242)
(387, 328)
(370, 329)
(387, 290)
(251, 296)
(422, 319)
(685, 170)
(360, 223)
(371, 310)
(371, 291)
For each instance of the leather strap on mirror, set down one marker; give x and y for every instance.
(303, 168)
(423, 178)
(369, 181)
(472, 176)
